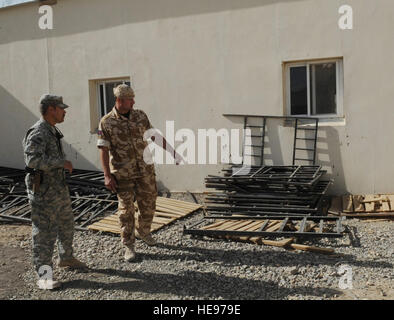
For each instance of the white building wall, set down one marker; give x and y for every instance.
(192, 61)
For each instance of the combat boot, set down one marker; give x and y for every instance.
(72, 263)
(129, 254)
(148, 239)
(48, 284)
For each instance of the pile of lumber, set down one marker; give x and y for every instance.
(368, 206)
(255, 230)
(272, 226)
(167, 211)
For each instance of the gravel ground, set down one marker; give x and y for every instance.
(181, 267)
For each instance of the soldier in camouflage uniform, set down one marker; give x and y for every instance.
(48, 193)
(122, 144)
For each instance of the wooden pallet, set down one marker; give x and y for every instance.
(269, 226)
(167, 211)
(370, 205)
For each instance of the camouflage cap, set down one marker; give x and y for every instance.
(123, 91)
(56, 101)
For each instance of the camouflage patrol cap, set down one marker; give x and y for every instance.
(56, 101)
(123, 91)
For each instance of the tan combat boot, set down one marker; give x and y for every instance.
(72, 263)
(129, 254)
(148, 239)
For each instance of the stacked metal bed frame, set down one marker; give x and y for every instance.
(293, 194)
(89, 198)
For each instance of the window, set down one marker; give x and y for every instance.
(106, 98)
(314, 88)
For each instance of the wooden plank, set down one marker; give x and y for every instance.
(229, 223)
(308, 226)
(255, 226)
(246, 226)
(261, 228)
(347, 203)
(378, 220)
(166, 208)
(370, 215)
(358, 204)
(281, 243)
(250, 226)
(369, 204)
(374, 198)
(312, 248)
(385, 203)
(162, 220)
(336, 205)
(166, 215)
(273, 226)
(161, 207)
(178, 202)
(180, 206)
(391, 199)
(264, 225)
(106, 229)
(169, 211)
(113, 218)
(109, 222)
(104, 225)
(214, 225)
(238, 225)
(158, 225)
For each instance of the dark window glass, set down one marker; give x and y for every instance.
(298, 91)
(323, 88)
(109, 94)
(102, 106)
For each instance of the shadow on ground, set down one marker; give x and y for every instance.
(259, 258)
(194, 283)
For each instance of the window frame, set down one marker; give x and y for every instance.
(98, 96)
(339, 87)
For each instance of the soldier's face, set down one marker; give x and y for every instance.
(124, 104)
(58, 114)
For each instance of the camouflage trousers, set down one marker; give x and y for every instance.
(52, 219)
(144, 190)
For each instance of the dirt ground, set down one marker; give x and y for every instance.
(15, 261)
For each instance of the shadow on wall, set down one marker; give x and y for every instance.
(18, 23)
(279, 143)
(329, 156)
(15, 121)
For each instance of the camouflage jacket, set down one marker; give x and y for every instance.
(124, 137)
(43, 151)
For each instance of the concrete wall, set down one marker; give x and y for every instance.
(192, 61)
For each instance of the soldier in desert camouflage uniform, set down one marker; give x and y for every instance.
(47, 191)
(122, 144)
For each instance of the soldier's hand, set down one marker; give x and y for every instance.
(68, 166)
(110, 183)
